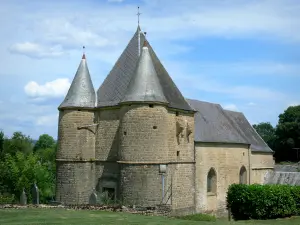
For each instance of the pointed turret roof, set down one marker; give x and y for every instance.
(144, 85)
(115, 86)
(81, 92)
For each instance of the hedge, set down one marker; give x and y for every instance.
(7, 199)
(263, 201)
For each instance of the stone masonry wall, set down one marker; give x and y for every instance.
(76, 148)
(75, 182)
(107, 134)
(181, 145)
(182, 180)
(143, 146)
(143, 134)
(261, 164)
(227, 160)
(74, 143)
(141, 185)
(181, 154)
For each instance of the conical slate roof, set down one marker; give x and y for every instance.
(81, 92)
(115, 86)
(144, 85)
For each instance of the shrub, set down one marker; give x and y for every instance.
(7, 199)
(262, 201)
(198, 217)
(295, 191)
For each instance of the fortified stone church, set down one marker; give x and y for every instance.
(139, 139)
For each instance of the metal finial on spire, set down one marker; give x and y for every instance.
(138, 14)
(83, 55)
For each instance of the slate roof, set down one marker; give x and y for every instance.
(248, 132)
(144, 85)
(114, 87)
(81, 92)
(214, 124)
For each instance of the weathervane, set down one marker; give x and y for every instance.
(138, 14)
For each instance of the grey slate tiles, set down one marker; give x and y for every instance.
(248, 132)
(113, 89)
(214, 124)
(81, 92)
(144, 85)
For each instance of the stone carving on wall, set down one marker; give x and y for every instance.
(188, 131)
(179, 130)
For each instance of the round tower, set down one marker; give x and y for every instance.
(143, 136)
(76, 140)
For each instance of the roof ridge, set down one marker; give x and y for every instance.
(115, 85)
(144, 85)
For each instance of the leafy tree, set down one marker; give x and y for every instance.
(1, 142)
(21, 171)
(267, 132)
(18, 143)
(45, 141)
(288, 134)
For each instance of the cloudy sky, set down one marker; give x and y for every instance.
(243, 54)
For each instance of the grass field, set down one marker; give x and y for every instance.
(63, 216)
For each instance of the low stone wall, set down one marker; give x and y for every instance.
(160, 210)
(287, 168)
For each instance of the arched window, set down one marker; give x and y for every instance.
(243, 175)
(212, 181)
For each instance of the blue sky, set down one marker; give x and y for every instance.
(242, 54)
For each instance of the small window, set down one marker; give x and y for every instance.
(79, 110)
(151, 106)
(154, 127)
(243, 175)
(177, 113)
(212, 181)
(110, 192)
(125, 133)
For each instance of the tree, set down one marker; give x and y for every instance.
(1, 142)
(45, 141)
(21, 171)
(288, 134)
(266, 131)
(18, 143)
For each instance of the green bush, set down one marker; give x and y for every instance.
(198, 217)
(295, 190)
(262, 201)
(7, 199)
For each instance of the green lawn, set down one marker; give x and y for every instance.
(63, 216)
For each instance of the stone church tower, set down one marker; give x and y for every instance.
(145, 144)
(76, 143)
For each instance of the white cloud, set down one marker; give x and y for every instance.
(55, 88)
(71, 33)
(35, 50)
(251, 104)
(103, 26)
(48, 120)
(232, 107)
